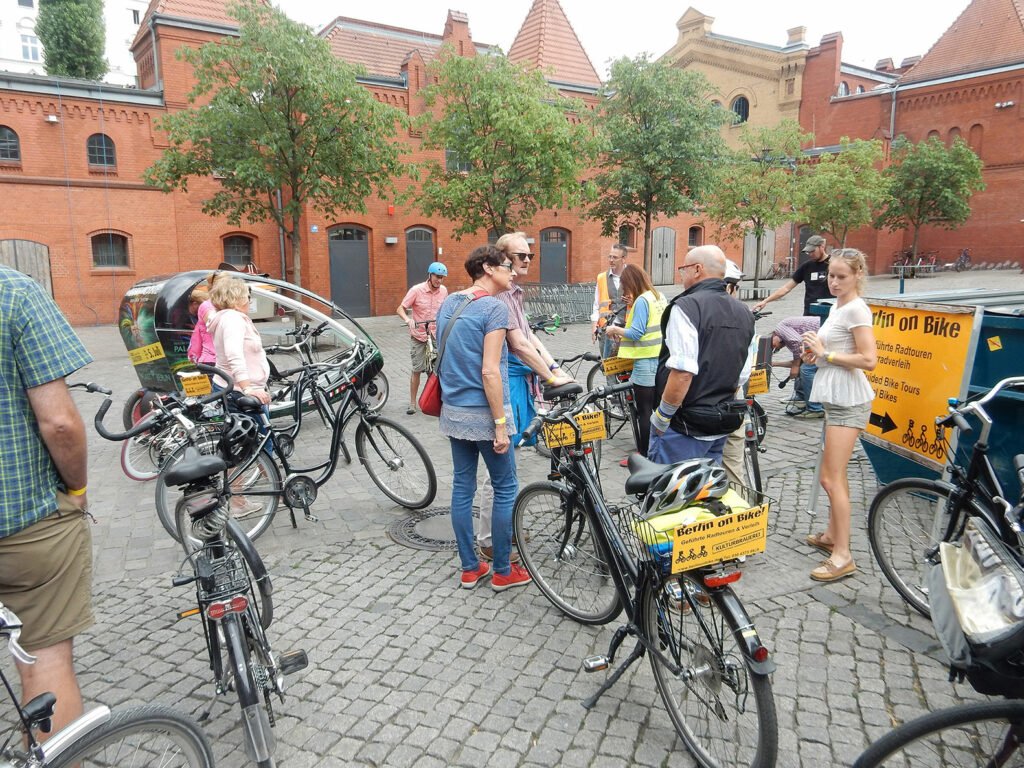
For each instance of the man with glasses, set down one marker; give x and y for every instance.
(705, 358)
(423, 300)
(608, 293)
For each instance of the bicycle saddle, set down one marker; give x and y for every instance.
(562, 391)
(643, 472)
(194, 466)
(248, 404)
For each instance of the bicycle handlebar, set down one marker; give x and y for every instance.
(958, 412)
(11, 625)
(566, 412)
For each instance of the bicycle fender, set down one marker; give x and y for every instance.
(68, 736)
(248, 550)
(743, 630)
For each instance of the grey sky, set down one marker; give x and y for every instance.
(872, 29)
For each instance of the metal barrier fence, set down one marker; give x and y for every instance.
(572, 301)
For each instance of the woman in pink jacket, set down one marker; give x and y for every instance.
(236, 341)
(200, 346)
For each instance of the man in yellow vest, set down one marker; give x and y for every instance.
(640, 341)
(608, 293)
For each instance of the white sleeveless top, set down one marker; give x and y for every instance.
(834, 384)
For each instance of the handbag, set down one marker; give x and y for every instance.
(430, 398)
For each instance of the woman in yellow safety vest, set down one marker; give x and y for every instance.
(641, 342)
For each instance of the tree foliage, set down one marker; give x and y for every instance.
(843, 192)
(73, 37)
(512, 144)
(929, 184)
(275, 110)
(758, 184)
(661, 145)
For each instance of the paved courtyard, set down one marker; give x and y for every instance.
(406, 669)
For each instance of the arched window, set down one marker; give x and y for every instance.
(843, 89)
(695, 237)
(953, 135)
(741, 107)
(626, 234)
(933, 134)
(238, 250)
(975, 138)
(10, 148)
(109, 249)
(860, 89)
(100, 149)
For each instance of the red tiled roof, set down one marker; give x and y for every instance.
(202, 10)
(989, 33)
(547, 40)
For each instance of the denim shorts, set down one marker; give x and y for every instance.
(644, 370)
(855, 416)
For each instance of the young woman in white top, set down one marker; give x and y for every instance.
(843, 349)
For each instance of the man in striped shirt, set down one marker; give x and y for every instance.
(787, 334)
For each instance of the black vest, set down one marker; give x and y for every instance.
(724, 330)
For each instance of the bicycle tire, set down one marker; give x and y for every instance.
(259, 741)
(942, 738)
(714, 678)
(262, 475)
(375, 392)
(760, 421)
(157, 735)
(134, 408)
(906, 521)
(379, 446)
(136, 458)
(751, 466)
(563, 557)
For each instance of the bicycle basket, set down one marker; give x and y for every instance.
(652, 539)
(976, 597)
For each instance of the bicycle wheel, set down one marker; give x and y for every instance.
(396, 462)
(615, 406)
(751, 466)
(907, 520)
(375, 392)
(723, 712)
(137, 460)
(560, 552)
(984, 733)
(760, 421)
(253, 513)
(135, 407)
(259, 740)
(138, 736)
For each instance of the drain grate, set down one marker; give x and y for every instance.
(430, 529)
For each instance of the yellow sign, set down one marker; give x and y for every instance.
(195, 384)
(758, 383)
(722, 538)
(994, 343)
(591, 428)
(146, 354)
(613, 365)
(922, 362)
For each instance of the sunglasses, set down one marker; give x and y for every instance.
(522, 256)
(507, 265)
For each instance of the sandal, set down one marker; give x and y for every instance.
(817, 540)
(829, 571)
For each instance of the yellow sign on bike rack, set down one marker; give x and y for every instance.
(591, 428)
(727, 537)
(195, 384)
(613, 365)
(758, 383)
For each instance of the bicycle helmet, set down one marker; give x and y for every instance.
(238, 439)
(733, 274)
(437, 268)
(685, 483)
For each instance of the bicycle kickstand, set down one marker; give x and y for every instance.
(598, 663)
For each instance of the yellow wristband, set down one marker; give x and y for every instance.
(79, 492)
(830, 356)
(550, 380)
(499, 421)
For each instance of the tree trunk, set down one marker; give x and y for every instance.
(296, 237)
(758, 234)
(647, 243)
(917, 231)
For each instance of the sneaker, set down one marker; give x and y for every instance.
(809, 414)
(791, 411)
(487, 553)
(792, 401)
(245, 508)
(516, 577)
(410, 410)
(470, 578)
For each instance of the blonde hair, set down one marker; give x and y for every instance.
(502, 243)
(199, 294)
(856, 261)
(228, 292)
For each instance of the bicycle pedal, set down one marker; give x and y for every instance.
(293, 661)
(310, 517)
(595, 663)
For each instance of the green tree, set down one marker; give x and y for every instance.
(661, 145)
(757, 186)
(73, 37)
(929, 184)
(512, 144)
(843, 192)
(276, 111)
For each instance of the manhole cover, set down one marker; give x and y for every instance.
(430, 529)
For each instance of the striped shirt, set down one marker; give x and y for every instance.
(37, 346)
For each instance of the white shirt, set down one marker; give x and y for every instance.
(595, 313)
(834, 384)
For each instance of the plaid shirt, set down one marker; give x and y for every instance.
(36, 346)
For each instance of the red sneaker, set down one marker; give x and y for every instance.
(470, 578)
(516, 577)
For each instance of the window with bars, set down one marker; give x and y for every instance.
(741, 107)
(626, 235)
(100, 149)
(10, 148)
(109, 249)
(238, 250)
(454, 164)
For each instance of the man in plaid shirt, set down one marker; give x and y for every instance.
(45, 545)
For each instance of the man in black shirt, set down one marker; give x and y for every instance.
(813, 273)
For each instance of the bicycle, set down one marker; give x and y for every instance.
(592, 562)
(909, 518)
(780, 270)
(963, 261)
(617, 409)
(542, 403)
(147, 735)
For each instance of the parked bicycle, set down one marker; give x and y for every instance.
(780, 270)
(909, 518)
(963, 261)
(149, 735)
(592, 561)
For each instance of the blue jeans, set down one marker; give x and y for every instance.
(805, 381)
(671, 446)
(502, 469)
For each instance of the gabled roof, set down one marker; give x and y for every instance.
(547, 40)
(210, 11)
(380, 48)
(989, 33)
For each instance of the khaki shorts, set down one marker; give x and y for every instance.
(855, 416)
(418, 354)
(46, 576)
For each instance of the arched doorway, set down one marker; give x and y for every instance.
(349, 254)
(554, 255)
(419, 254)
(29, 257)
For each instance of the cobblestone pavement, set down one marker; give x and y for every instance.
(409, 670)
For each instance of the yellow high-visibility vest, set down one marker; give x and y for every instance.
(648, 345)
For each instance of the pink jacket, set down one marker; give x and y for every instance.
(200, 346)
(238, 346)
